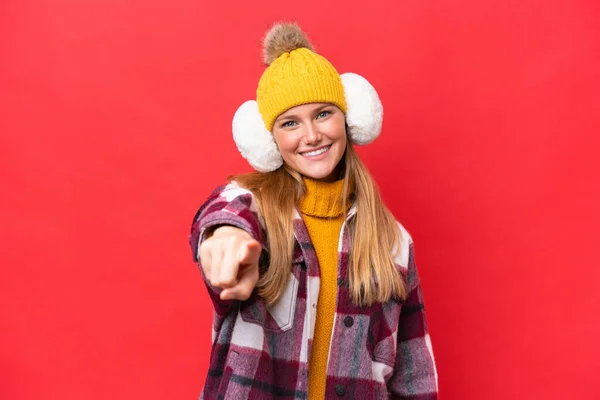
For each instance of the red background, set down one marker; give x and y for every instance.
(115, 123)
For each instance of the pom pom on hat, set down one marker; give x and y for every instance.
(283, 38)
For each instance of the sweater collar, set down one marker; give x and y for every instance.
(323, 199)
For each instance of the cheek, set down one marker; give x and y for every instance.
(343, 136)
(340, 134)
(285, 143)
(338, 127)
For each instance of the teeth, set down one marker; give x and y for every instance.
(317, 152)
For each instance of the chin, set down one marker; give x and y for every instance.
(319, 175)
(316, 177)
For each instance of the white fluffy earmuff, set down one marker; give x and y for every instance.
(364, 117)
(253, 139)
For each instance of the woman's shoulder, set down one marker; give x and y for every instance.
(236, 196)
(233, 189)
(227, 192)
(230, 196)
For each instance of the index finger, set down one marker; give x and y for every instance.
(229, 269)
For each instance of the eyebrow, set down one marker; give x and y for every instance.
(291, 116)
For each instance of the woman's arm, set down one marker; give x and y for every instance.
(227, 206)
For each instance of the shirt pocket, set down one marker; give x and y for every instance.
(277, 317)
(283, 311)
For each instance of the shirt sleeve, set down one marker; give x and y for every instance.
(227, 205)
(415, 374)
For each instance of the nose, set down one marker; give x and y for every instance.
(312, 134)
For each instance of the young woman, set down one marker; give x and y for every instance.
(314, 286)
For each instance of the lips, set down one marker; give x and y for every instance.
(316, 152)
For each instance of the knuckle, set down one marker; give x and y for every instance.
(227, 282)
(204, 250)
(216, 282)
(207, 243)
(204, 255)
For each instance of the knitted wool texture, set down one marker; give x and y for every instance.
(297, 77)
(323, 213)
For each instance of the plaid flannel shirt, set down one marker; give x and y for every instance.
(262, 352)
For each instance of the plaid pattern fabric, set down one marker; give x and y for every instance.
(261, 352)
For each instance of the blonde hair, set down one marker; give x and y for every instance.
(373, 275)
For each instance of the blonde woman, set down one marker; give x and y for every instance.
(314, 286)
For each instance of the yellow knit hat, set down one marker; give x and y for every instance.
(296, 75)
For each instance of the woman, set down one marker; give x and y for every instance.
(313, 282)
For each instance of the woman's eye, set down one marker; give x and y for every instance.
(288, 124)
(323, 114)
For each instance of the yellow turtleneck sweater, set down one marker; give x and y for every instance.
(323, 213)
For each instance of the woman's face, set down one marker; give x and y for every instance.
(312, 139)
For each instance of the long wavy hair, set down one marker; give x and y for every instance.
(374, 232)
